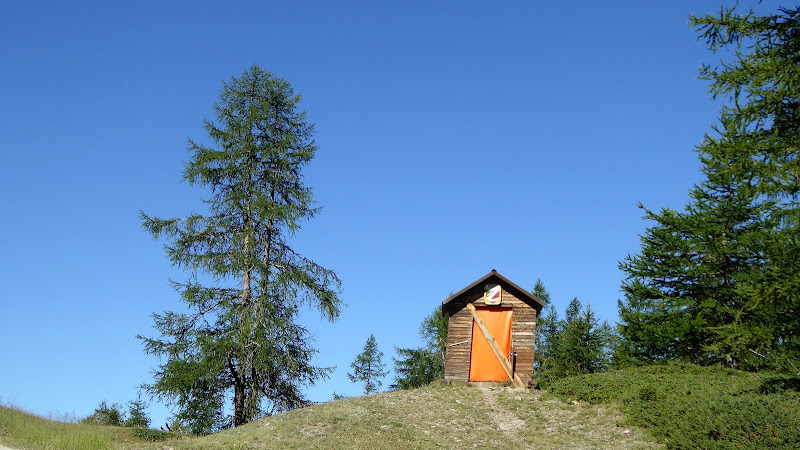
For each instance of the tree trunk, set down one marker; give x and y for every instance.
(246, 289)
(238, 402)
(238, 395)
(369, 373)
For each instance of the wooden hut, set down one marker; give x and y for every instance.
(491, 331)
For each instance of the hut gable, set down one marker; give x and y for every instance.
(463, 357)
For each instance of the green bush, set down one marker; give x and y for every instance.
(151, 435)
(114, 416)
(689, 406)
(780, 383)
(748, 421)
(648, 393)
(106, 415)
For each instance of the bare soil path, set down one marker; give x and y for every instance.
(503, 419)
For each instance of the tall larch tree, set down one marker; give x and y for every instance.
(240, 339)
(720, 281)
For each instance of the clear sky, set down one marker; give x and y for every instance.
(455, 138)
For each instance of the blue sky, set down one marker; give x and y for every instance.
(455, 138)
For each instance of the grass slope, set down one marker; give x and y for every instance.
(19, 429)
(458, 416)
(681, 406)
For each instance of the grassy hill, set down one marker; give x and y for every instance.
(680, 406)
(22, 430)
(457, 416)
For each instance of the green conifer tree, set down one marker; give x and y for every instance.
(719, 282)
(541, 292)
(573, 309)
(417, 367)
(368, 367)
(547, 326)
(137, 414)
(580, 344)
(240, 338)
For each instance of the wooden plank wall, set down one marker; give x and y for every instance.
(459, 335)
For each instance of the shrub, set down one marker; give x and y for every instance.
(152, 435)
(106, 415)
(780, 383)
(648, 393)
(689, 406)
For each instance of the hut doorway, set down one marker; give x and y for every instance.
(483, 365)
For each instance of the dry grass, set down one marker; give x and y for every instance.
(436, 416)
(684, 406)
(458, 416)
(550, 422)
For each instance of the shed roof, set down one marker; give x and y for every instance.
(536, 302)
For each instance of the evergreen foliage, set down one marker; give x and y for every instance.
(433, 331)
(240, 339)
(689, 406)
(137, 414)
(540, 291)
(417, 367)
(113, 415)
(368, 367)
(546, 326)
(719, 282)
(579, 344)
(105, 414)
(152, 435)
(573, 309)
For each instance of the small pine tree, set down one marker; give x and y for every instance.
(573, 309)
(106, 415)
(578, 345)
(546, 325)
(541, 292)
(417, 367)
(368, 367)
(547, 329)
(433, 331)
(584, 344)
(137, 416)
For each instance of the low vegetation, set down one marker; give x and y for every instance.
(113, 415)
(19, 429)
(435, 416)
(689, 406)
(680, 406)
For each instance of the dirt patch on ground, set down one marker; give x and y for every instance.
(547, 421)
(503, 419)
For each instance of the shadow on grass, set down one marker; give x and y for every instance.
(778, 384)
